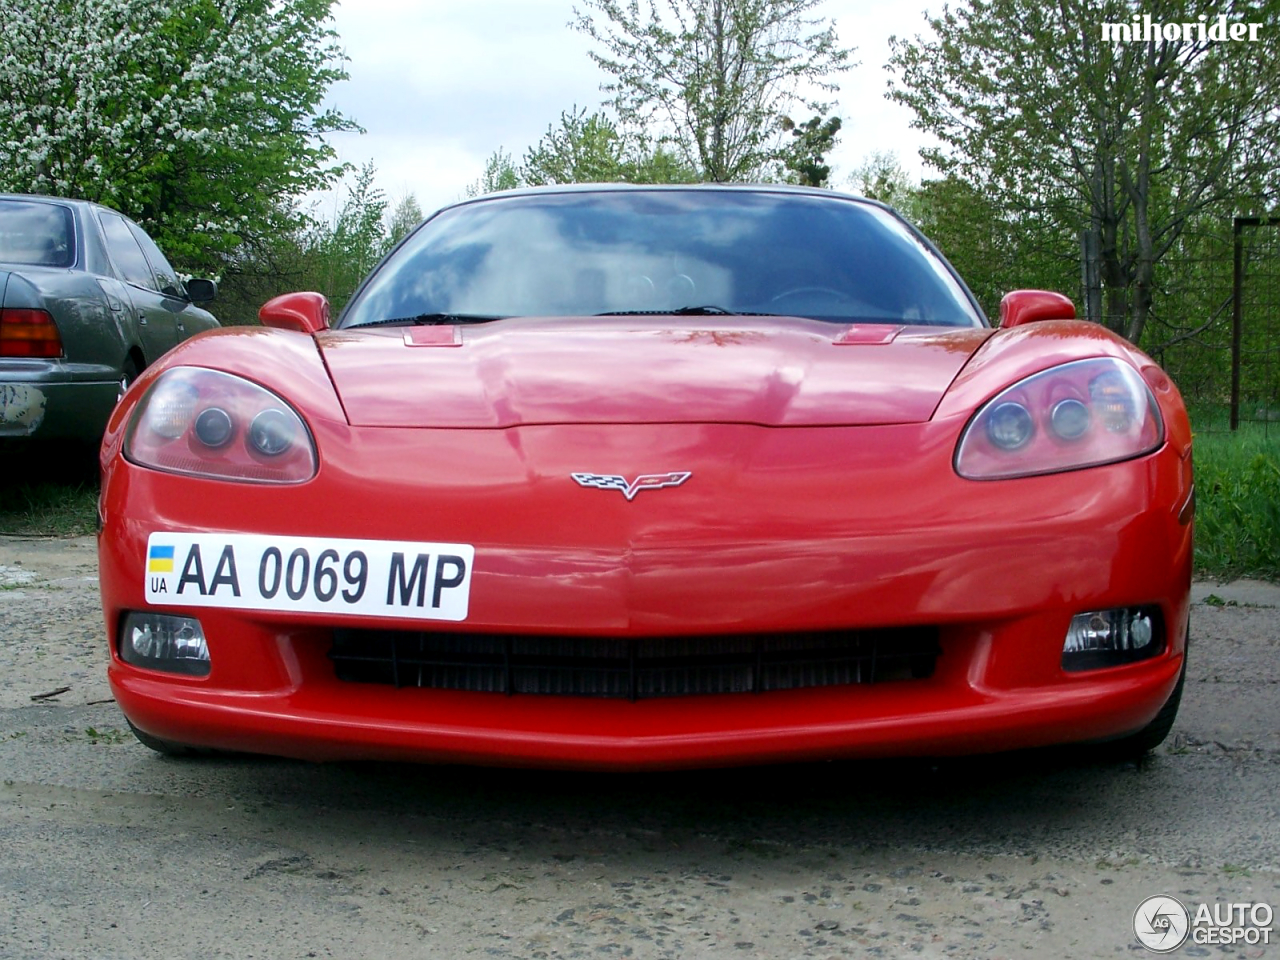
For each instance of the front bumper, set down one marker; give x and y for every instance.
(792, 530)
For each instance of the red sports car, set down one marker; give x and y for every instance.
(636, 477)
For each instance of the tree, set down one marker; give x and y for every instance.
(500, 173)
(406, 215)
(329, 253)
(358, 238)
(194, 116)
(1118, 146)
(993, 248)
(584, 149)
(803, 159)
(714, 77)
(881, 177)
(590, 149)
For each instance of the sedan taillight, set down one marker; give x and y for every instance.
(28, 333)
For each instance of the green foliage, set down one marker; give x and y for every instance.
(194, 117)
(1238, 503)
(802, 160)
(584, 149)
(1189, 330)
(994, 250)
(881, 177)
(1122, 144)
(713, 79)
(406, 215)
(590, 149)
(342, 253)
(500, 173)
(660, 165)
(329, 254)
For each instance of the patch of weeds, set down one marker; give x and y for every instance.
(1235, 870)
(1237, 504)
(30, 585)
(49, 508)
(109, 736)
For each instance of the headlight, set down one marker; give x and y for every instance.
(1077, 415)
(211, 424)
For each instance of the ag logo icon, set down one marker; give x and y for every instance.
(1161, 924)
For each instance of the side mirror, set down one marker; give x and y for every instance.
(304, 312)
(1028, 306)
(201, 291)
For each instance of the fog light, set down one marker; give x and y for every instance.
(162, 642)
(1108, 638)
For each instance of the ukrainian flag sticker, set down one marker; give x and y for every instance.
(160, 559)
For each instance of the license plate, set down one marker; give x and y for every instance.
(380, 578)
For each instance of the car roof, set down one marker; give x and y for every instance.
(570, 188)
(47, 198)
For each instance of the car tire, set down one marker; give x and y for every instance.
(167, 747)
(1155, 732)
(129, 372)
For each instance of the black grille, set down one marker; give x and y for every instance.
(633, 668)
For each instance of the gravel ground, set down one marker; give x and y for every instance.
(110, 851)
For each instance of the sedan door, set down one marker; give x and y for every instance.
(188, 318)
(155, 315)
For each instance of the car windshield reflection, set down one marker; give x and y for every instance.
(654, 251)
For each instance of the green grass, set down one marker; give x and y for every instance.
(49, 509)
(1238, 502)
(48, 490)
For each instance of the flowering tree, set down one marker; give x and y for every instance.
(197, 117)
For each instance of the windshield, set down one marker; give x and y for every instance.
(660, 251)
(36, 233)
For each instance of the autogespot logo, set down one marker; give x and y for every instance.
(1161, 924)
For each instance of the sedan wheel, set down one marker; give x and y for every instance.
(128, 373)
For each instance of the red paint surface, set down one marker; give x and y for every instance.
(794, 518)
(770, 371)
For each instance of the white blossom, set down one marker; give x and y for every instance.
(173, 111)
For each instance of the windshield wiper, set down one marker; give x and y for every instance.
(428, 319)
(706, 310)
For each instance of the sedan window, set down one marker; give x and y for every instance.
(36, 233)
(165, 275)
(125, 252)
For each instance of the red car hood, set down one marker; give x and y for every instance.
(769, 371)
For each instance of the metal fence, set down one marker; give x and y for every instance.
(1215, 325)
